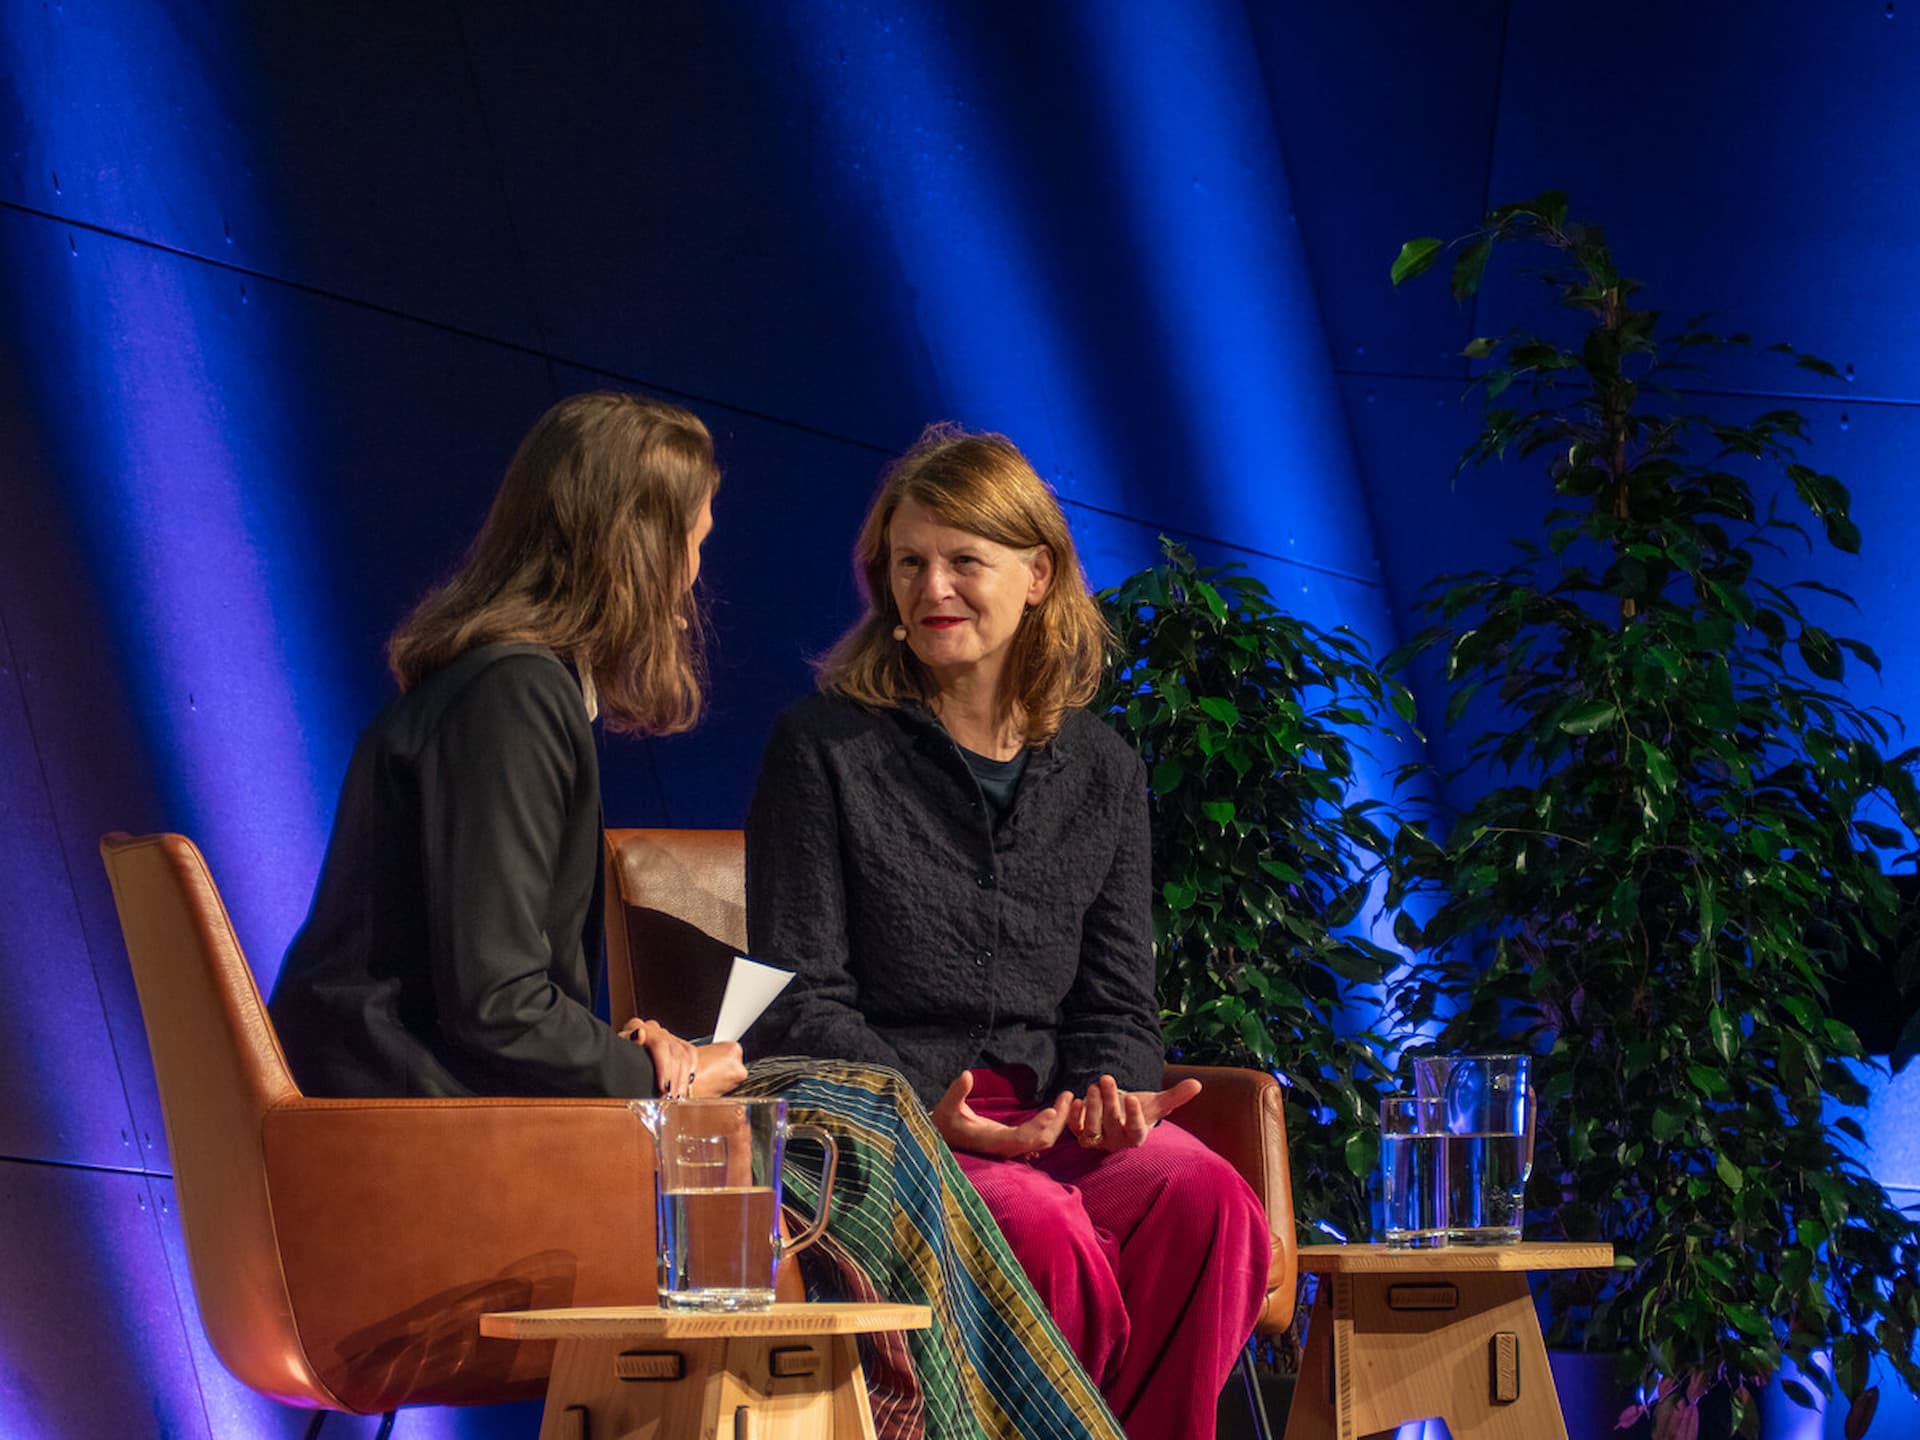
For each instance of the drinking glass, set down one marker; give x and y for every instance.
(717, 1187)
(1488, 1106)
(1413, 1172)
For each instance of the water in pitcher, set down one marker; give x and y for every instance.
(718, 1243)
(1486, 1181)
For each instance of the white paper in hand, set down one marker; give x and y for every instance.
(751, 987)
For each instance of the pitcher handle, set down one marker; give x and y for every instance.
(1533, 1118)
(827, 1170)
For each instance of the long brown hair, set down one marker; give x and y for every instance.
(982, 484)
(585, 551)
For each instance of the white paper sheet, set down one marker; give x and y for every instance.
(751, 987)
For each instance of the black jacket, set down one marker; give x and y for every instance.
(930, 940)
(456, 929)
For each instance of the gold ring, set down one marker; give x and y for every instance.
(1090, 1137)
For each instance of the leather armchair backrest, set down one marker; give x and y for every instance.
(220, 1071)
(676, 917)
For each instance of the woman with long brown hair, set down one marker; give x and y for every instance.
(455, 932)
(952, 852)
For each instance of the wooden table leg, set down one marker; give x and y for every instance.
(852, 1411)
(1466, 1348)
(791, 1388)
(1315, 1413)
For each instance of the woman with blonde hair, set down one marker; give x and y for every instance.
(455, 932)
(953, 854)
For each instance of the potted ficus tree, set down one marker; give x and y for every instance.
(1265, 850)
(1677, 847)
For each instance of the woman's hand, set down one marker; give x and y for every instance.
(963, 1129)
(674, 1060)
(718, 1069)
(1112, 1119)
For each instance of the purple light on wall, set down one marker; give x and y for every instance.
(201, 565)
(911, 146)
(1206, 201)
(162, 391)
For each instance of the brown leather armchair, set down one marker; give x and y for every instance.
(677, 914)
(343, 1250)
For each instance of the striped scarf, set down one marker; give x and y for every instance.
(906, 1226)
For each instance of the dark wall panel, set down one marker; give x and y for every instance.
(1755, 160)
(869, 235)
(678, 215)
(333, 145)
(1386, 113)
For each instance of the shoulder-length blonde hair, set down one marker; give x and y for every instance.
(982, 484)
(585, 551)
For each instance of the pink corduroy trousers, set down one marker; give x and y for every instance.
(1152, 1261)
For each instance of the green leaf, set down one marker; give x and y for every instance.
(1362, 1152)
(1221, 812)
(1730, 1174)
(1863, 653)
(1822, 656)
(1416, 257)
(1710, 1082)
(1659, 768)
(1725, 1035)
(1481, 348)
(1347, 905)
(1589, 716)
(1885, 836)
(1225, 711)
(1470, 267)
(1167, 776)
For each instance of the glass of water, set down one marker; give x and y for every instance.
(1413, 1172)
(1488, 1108)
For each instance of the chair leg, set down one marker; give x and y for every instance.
(1256, 1402)
(313, 1425)
(386, 1425)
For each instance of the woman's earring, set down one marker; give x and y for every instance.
(899, 632)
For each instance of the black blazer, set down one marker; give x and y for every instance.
(930, 939)
(456, 929)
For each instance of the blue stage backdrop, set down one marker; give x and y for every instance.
(280, 287)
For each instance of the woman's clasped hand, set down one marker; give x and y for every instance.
(683, 1070)
(1106, 1118)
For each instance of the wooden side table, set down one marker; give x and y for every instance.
(791, 1372)
(1399, 1335)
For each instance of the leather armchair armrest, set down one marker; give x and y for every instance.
(473, 1205)
(1240, 1116)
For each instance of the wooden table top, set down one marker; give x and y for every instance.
(652, 1322)
(1453, 1259)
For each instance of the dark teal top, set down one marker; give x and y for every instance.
(999, 780)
